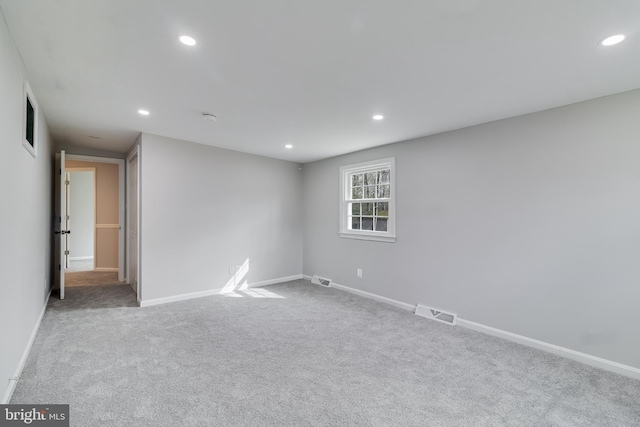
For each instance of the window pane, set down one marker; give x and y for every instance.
(355, 223)
(31, 114)
(370, 192)
(383, 191)
(356, 193)
(367, 204)
(367, 223)
(382, 209)
(381, 224)
(370, 178)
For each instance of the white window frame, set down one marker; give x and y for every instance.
(345, 198)
(28, 95)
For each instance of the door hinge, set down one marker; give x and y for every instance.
(66, 252)
(67, 182)
(59, 267)
(59, 171)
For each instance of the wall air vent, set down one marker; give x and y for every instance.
(435, 314)
(322, 281)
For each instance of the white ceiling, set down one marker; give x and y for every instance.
(312, 73)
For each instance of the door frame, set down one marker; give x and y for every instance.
(134, 155)
(121, 204)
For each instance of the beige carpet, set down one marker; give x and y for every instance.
(91, 278)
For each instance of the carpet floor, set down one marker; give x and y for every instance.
(296, 354)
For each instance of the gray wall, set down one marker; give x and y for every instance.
(25, 230)
(530, 225)
(82, 213)
(205, 209)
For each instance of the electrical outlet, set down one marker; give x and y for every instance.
(230, 271)
(359, 273)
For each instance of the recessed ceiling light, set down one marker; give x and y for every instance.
(143, 112)
(288, 146)
(189, 41)
(378, 117)
(611, 40)
(209, 117)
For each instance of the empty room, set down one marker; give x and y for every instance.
(337, 213)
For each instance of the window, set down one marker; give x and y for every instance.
(367, 201)
(30, 121)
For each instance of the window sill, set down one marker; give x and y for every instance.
(388, 239)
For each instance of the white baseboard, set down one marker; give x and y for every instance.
(399, 304)
(274, 281)
(587, 359)
(80, 258)
(182, 297)
(25, 354)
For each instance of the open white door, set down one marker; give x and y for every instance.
(60, 179)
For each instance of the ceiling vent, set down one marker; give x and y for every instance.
(322, 281)
(438, 315)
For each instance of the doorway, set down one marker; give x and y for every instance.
(95, 243)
